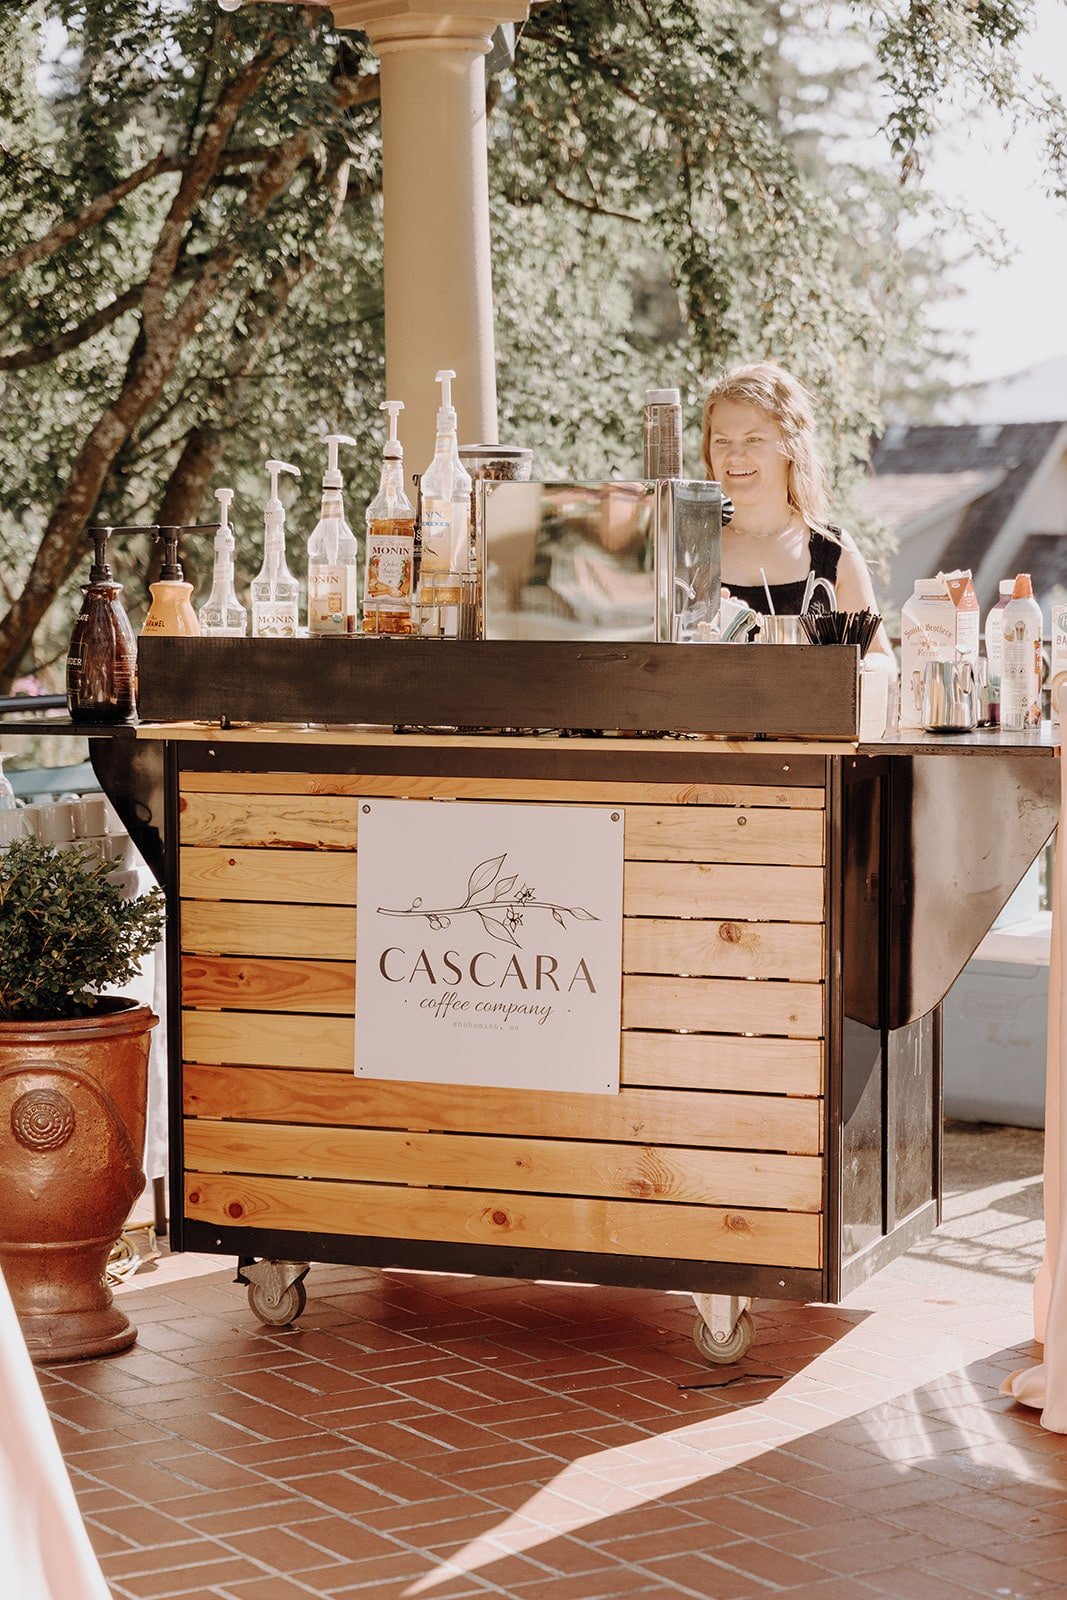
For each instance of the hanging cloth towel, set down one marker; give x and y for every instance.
(46, 1550)
(1045, 1386)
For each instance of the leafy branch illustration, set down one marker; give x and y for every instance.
(496, 901)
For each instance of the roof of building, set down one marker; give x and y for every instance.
(1014, 451)
(1044, 557)
(901, 498)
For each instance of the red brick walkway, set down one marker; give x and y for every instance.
(423, 1436)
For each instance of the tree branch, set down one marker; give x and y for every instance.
(201, 169)
(35, 355)
(71, 227)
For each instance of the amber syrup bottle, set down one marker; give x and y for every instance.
(102, 658)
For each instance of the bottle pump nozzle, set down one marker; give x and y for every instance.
(446, 411)
(332, 476)
(100, 569)
(171, 570)
(394, 450)
(225, 533)
(274, 467)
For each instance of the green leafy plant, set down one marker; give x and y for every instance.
(66, 932)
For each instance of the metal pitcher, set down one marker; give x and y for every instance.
(950, 697)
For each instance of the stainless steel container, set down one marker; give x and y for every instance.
(781, 630)
(950, 697)
(618, 560)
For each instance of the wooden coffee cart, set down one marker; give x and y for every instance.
(795, 909)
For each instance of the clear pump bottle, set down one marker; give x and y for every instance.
(333, 556)
(171, 611)
(102, 658)
(445, 492)
(222, 614)
(275, 592)
(389, 581)
(994, 644)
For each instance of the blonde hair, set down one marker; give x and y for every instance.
(786, 400)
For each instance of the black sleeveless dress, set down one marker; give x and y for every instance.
(823, 555)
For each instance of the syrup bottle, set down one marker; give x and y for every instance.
(102, 658)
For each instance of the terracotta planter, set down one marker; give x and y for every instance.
(72, 1122)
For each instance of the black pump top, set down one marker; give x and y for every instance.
(100, 571)
(171, 570)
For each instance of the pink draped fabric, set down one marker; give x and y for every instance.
(45, 1552)
(1045, 1386)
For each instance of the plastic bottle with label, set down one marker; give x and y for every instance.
(389, 581)
(275, 592)
(171, 611)
(994, 645)
(102, 659)
(222, 614)
(333, 556)
(445, 492)
(1020, 680)
(663, 433)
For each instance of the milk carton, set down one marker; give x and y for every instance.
(938, 622)
(1059, 659)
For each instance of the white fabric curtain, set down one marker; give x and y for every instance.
(44, 1548)
(1045, 1386)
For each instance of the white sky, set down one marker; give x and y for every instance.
(1009, 318)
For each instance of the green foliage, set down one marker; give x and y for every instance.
(676, 186)
(66, 932)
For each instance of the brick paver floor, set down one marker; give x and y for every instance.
(431, 1437)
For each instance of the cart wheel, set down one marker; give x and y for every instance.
(277, 1311)
(721, 1352)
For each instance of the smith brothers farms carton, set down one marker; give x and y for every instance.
(939, 622)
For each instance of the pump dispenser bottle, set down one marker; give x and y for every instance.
(446, 510)
(389, 581)
(333, 556)
(102, 658)
(171, 611)
(222, 613)
(275, 592)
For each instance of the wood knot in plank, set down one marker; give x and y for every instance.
(235, 1209)
(729, 933)
(499, 1218)
(734, 1223)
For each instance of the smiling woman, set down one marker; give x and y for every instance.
(759, 443)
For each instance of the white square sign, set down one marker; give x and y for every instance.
(489, 944)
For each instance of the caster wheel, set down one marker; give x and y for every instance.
(721, 1352)
(278, 1311)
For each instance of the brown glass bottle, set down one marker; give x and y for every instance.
(102, 658)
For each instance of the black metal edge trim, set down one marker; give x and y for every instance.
(938, 1151)
(875, 1256)
(175, 1120)
(833, 1028)
(502, 1261)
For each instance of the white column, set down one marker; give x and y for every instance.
(438, 280)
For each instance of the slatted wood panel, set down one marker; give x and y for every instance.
(470, 1216)
(695, 948)
(648, 1116)
(659, 1060)
(546, 1166)
(653, 833)
(711, 1151)
(559, 792)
